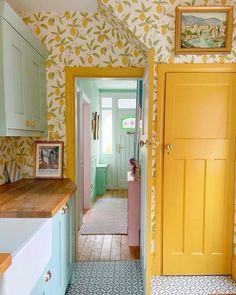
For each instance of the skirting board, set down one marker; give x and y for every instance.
(233, 271)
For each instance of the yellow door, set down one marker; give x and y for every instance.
(199, 173)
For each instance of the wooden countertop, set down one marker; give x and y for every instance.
(34, 198)
(5, 262)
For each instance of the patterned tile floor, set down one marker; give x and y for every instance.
(110, 277)
(193, 285)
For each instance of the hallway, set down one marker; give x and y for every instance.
(106, 247)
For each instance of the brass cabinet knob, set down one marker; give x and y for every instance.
(27, 123)
(32, 124)
(66, 206)
(48, 276)
(63, 210)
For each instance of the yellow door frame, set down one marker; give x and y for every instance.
(71, 73)
(162, 70)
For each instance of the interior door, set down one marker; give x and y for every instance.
(199, 173)
(79, 159)
(146, 172)
(124, 145)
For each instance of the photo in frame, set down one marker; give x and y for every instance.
(49, 159)
(203, 30)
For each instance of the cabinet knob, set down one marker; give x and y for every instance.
(48, 276)
(32, 124)
(63, 210)
(27, 123)
(67, 206)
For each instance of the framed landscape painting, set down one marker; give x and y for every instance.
(203, 30)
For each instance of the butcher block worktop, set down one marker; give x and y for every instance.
(34, 198)
(5, 262)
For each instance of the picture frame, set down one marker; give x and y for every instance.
(48, 162)
(203, 30)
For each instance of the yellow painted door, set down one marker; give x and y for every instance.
(199, 173)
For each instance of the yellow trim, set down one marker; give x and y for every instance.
(162, 70)
(82, 72)
(93, 72)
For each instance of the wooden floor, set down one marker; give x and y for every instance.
(106, 247)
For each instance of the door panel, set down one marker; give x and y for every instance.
(125, 148)
(199, 173)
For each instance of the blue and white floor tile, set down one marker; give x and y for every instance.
(193, 285)
(109, 277)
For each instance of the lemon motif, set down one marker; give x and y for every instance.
(164, 29)
(73, 31)
(37, 30)
(125, 60)
(77, 51)
(146, 28)
(119, 8)
(101, 38)
(61, 48)
(67, 15)
(159, 8)
(85, 23)
(90, 59)
(57, 38)
(142, 16)
(119, 44)
(57, 91)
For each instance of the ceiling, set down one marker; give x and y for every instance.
(53, 5)
(110, 84)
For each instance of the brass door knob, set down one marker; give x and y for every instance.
(143, 143)
(169, 147)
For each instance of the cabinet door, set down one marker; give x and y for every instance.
(14, 63)
(68, 242)
(35, 93)
(44, 287)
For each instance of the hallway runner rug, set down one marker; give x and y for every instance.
(108, 216)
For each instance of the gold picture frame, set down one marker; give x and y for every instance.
(203, 30)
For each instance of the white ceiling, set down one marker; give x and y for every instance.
(53, 5)
(110, 84)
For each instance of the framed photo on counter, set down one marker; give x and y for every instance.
(49, 159)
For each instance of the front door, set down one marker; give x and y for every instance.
(199, 173)
(124, 144)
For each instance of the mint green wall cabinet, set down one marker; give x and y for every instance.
(101, 178)
(63, 247)
(23, 98)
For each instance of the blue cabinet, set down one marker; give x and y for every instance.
(58, 273)
(23, 98)
(63, 247)
(101, 178)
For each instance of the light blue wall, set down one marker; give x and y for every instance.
(90, 90)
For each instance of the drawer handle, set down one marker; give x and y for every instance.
(48, 276)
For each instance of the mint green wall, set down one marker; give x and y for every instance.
(90, 90)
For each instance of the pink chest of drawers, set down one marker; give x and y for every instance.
(133, 210)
